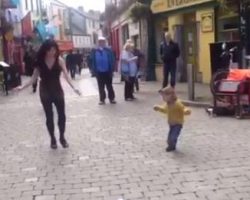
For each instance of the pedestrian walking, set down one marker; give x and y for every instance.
(102, 66)
(89, 64)
(129, 70)
(29, 61)
(175, 111)
(79, 58)
(169, 53)
(49, 66)
(71, 62)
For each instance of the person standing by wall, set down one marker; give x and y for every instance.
(71, 63)
(169, 51)
(139, 63)
(129, 70)
(102, 66)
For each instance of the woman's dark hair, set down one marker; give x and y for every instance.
(46, 46)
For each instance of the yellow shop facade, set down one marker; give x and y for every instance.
(192, 25)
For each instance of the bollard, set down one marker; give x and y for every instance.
(190, 73)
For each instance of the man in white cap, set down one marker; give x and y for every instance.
(103, 62)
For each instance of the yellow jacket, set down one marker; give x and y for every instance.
(175, 112)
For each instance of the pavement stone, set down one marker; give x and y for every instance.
(117, 152)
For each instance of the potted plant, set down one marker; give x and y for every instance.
(139, 11)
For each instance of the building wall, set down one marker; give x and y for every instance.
(125, 23)
(174, 20)
(204, 54)
(57, 16)
(33, 6)
(204, 40)
(78, 23)
(93, 25)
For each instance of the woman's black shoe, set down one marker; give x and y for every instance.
(170, 148)
(53, 144)
(64, 143)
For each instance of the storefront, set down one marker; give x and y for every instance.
(227, 35)
(192, 25)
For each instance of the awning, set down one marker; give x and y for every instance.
(65, 45)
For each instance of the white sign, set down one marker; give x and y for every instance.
(134, 29)
(82, 42)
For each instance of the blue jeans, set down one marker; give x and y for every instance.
(174, 133)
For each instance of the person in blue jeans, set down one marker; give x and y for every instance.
(174, 111)
(103, 61)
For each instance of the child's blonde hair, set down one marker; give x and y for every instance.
(170, 91)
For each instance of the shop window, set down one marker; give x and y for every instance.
(125, 33)
(228, 21)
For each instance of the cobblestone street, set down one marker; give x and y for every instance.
(117, 152)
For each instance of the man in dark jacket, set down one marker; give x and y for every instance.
(71, 63)
(102, 65)
(169, 53)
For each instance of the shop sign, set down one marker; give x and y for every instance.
(158, 6)
(65, 45)
(207, 22)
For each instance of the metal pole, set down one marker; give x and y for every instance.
(190, 73)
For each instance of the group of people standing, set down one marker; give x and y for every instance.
(103, 62)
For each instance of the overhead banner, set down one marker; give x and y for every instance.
(10, 3)
(27, 29)
(159, 6)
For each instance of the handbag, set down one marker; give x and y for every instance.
(125, 68)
